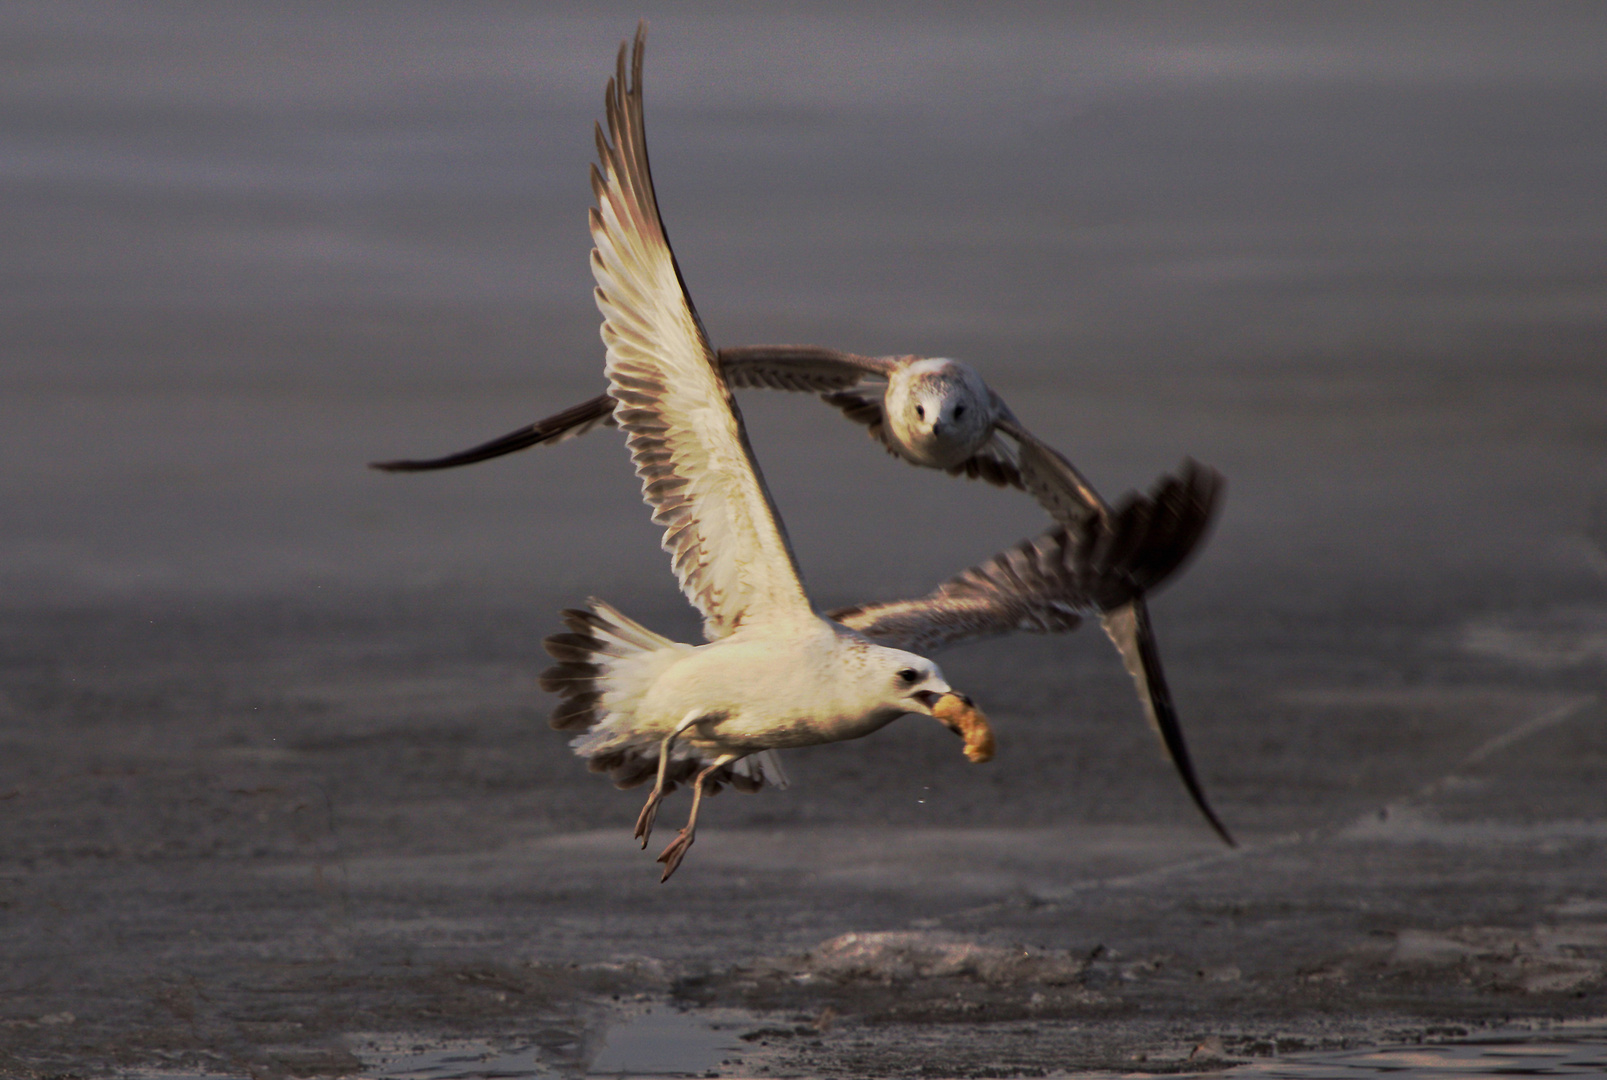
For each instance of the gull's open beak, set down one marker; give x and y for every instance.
(956, 713)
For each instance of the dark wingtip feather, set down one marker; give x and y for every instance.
(1130, 631)
(1185, 510)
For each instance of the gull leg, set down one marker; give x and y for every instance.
(644, 820)
(678, 847)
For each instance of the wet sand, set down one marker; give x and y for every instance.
(278, 793)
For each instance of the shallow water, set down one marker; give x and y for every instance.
(684, 1050)
(466, 1061)
(1544, 1054)
(666, 1043)
(663, 1043)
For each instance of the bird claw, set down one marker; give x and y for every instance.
(644, 820)
(675, 853)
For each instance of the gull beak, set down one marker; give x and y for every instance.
(959, 715)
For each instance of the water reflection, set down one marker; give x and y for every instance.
(1584, 1054)
(662, 1043)
(465, 1061)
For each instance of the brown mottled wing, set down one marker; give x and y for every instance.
(683, 428)
(1047, 584)
(799, 367)
(1034, 586)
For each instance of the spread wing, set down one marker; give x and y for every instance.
(809, 368)
(799, 367)
(1047, 584)
(1050, 583)
(682, 425)
(1036, 586)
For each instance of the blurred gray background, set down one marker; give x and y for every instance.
(1352, 255)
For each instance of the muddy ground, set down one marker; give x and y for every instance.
(269, 839)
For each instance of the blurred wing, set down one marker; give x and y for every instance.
(1150, 539)
(1129, 629)
(682, 425)
(1048, 476)
(993, 463)
(572, 422)
(1033, 586)
(1045, 585)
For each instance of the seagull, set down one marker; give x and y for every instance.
(929, 411)
(773, 673)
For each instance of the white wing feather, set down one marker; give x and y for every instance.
(684, 430)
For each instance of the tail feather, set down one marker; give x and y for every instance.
(623, 634)
(575, 678)
(762, 768)
(572, 648)
(575, 713)
(605, 661)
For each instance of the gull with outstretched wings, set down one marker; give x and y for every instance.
(934, 412)
(773, 673)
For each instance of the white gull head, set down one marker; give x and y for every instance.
(939, 412)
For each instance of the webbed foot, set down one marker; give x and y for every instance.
(644, 820)
(675, 853)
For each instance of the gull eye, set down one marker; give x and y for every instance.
(920, 410)
(959, 411)
(909, 676)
